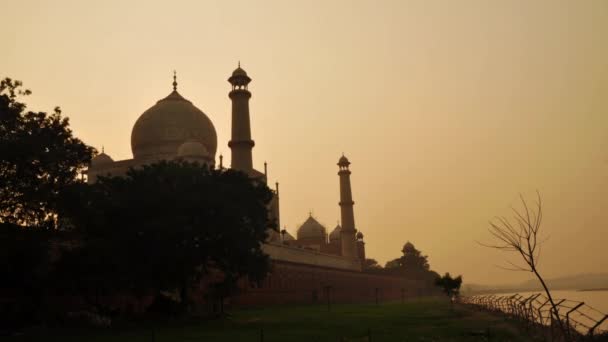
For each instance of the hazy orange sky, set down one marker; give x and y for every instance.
(446, 109)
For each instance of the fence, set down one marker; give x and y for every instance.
(579, 319)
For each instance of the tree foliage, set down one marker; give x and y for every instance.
(40, 158)
(371, 265)
(164, 225)
(412, 261)
(449, 285)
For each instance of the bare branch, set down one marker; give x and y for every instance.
(514, 268)
(523, 238)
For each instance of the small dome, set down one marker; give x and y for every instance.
(343, 161)
(239, 72)
(359, 236)
(239, 77)
(335, 234)
(287, 236)
(192, 149)
(311, 228)
(101, 159)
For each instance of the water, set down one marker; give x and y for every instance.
(597, 300)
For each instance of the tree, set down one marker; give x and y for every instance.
(371, 265)
(163, 226)
(40, 159)
(393, 264)
(24, 267)
(449, 285)
(39, 162)
(522, 236)
(412, 261)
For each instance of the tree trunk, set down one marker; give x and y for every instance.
(554, 309)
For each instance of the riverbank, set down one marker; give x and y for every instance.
(599, 289)
(417, 320)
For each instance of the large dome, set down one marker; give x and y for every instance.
(311, 228)
(172, 121)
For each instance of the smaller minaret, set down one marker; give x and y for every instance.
(276, 209)
(241, 143)
(347, 234)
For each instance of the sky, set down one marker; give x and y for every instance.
(448, 110)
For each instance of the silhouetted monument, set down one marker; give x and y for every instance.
(175, 129)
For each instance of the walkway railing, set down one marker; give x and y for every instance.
(579, 319)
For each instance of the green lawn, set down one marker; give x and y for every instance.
(419, 320)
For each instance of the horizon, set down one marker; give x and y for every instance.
(447, 111)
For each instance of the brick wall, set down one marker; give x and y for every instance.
(297, 283)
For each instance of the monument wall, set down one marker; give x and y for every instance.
(293, 283)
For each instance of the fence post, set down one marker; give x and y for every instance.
(597, 325)
(540, 313)
(522, 309)
(568, 317)
(327, 295)
(377, 295)
(530, 310)
(554, 313)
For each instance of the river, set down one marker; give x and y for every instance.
(595, 299)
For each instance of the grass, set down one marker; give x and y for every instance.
(418, 320)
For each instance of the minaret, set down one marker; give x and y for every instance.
(347, 234)
(241, 143)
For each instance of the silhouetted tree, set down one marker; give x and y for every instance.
(163, 226)
(522, 237)
(371, 265)
(24, 268)
(39, 161)
(40, 158)
(449, 285)
(412, 261)
(393, 264)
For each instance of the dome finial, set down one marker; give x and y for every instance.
(102, 150)
(174, 80)
(239, 63)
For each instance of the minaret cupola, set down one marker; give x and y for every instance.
(239, 78)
